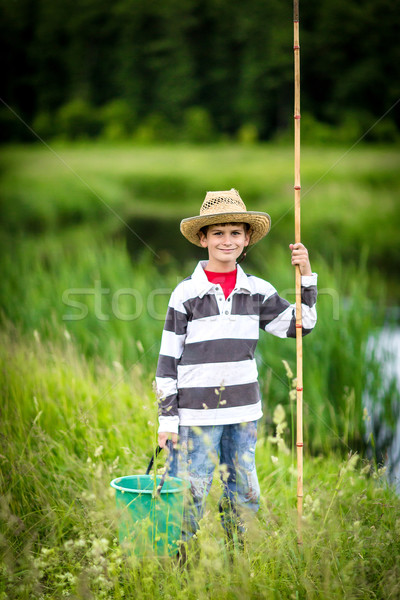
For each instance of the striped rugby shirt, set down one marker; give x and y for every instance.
(206, 372)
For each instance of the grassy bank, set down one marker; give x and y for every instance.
(349, 195)
(67, 430)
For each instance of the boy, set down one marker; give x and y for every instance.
(206, 375)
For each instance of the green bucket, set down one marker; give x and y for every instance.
(151, 513)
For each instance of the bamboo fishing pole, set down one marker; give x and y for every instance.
(297, 235)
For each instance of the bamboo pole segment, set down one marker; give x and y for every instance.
(299, 328)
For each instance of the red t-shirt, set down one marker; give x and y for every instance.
(226, 280)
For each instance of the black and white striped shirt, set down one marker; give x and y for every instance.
(206, 372)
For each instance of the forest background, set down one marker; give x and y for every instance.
(198, 69)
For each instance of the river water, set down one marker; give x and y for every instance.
(386, 348)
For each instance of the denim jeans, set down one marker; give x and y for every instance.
(232, 448)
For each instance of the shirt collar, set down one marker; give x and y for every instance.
(203, 285)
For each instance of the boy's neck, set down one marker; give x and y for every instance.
(220, 267)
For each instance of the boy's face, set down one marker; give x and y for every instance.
(225, 243)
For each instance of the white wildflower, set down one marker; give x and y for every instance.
(274, 459)
(352, 462)
(365, 470)
(288, 370)
(279, 414)
(98, 451)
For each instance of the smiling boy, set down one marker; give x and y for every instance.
(207, 374)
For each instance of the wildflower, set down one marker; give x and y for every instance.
(274, 459)
(279, 414)
(205, 406)
(99, 546)
(98, 451)
(289, 372)
(68, 545)
(222, 402)
(365, 470)
(308, 502)
(114, 465)
(310, 505)
(216, 391)
(353, 460)
(280, 428)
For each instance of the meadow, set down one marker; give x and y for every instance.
(90, 253)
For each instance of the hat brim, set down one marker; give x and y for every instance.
(260, 224)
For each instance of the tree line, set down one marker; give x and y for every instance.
(219, 65)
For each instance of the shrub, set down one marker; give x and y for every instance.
(78, 119)
(155, 128)
(43, 124)
(248, 134)
(118, 119)
(197, 125)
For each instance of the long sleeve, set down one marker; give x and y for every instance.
(278, 316)
(172, 344)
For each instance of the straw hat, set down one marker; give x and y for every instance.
(225, 207)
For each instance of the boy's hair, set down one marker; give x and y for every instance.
(205, 228)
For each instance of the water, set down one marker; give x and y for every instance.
(386, 348)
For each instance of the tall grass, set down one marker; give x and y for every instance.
(67, 429)
(84, 286)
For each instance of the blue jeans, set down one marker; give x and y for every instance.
(232, 448)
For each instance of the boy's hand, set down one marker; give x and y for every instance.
(300, 257)
(163, 437)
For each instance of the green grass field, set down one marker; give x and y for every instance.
(78, 408)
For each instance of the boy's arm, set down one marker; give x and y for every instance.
(172, 344)
(277, 315)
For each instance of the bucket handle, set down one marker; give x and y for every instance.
(167, 466)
